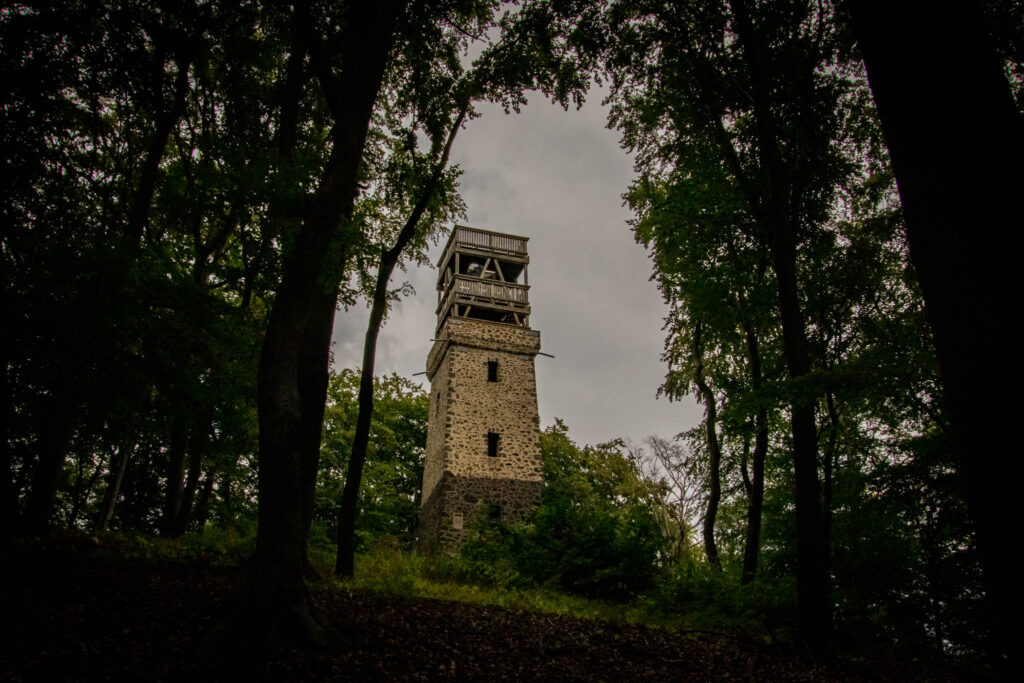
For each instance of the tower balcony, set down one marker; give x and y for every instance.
(484, 298)
(483, 243)
(483, 275)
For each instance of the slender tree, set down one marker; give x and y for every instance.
(389, 258)
(754, 99)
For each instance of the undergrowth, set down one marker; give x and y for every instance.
(388, 570)
(687, 598)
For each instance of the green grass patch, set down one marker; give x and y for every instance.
(687, 598)
(389, 571)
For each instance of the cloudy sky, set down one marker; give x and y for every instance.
(556, 177)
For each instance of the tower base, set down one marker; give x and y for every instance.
(456, 502)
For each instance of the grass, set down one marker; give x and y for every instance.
(391, 572)
(687, 601)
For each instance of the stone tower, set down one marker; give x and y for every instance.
(483, 443)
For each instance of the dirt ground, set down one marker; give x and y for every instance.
(69, 612)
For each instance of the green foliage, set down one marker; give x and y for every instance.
(695, 596)
(389, 570)
(725, 103)
(389, 495)
(212, 546)
(136, 318)
(596, 532)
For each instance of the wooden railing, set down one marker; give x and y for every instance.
(484, 240)
(466, 286)
(492, 241)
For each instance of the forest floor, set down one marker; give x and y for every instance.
(73, 611)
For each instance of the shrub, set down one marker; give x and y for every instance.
(595, 533)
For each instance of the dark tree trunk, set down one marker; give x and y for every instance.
(956, 141)
(812, 582)
(313, 379)
(117, 469)
(203, 504)
(228, 499)
(714, 449)
(10, 515)
(277, 604)
(831, 459)
(754, 483)
(55, 436)
(82, 493)
(174, 488)
(931, 553)
(779, 213)
(166, 119)
(349, 508)
(198, 443)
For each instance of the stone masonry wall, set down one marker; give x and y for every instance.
(438, 425)
(462, 498)
(459, 475)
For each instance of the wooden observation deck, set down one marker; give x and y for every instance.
(482, 275)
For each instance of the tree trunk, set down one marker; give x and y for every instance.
(203, 504)
(277, 605)
(166, 119)
(174, 488)
(779, 213)
(349, 508)
(10, 515)
(313, 379)
(117, 470)
(55, 436)
(228, 498)
(314, 355)
(714, 450)
(931, 553)
(831, 458)
(82, 493)
(347, 511)
(197, 446)
(755, 490)
(956, 141)
(812, 583)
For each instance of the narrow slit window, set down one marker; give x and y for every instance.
(492, 444)
(492, 371)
